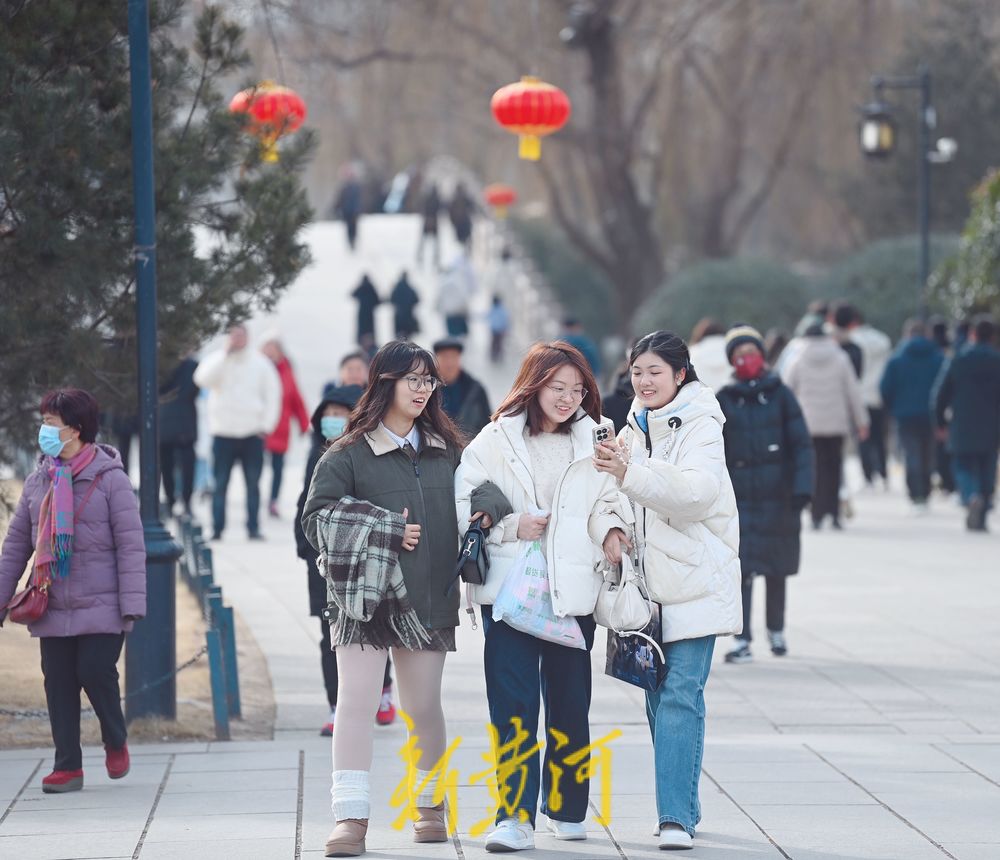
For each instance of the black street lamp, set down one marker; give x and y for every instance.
(877, 138)
(151, 653)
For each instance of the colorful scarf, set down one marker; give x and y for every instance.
(54, 543)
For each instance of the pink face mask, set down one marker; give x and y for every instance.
(749, 366)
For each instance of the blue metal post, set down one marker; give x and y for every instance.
(151, 645)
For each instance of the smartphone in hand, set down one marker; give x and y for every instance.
(602, 433)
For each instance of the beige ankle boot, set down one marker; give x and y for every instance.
(431, 825)
(347, 839)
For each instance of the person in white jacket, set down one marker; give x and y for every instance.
(670, 461)
(876, 350)
(244, 405)
(537, 450)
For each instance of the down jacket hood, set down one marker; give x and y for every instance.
(694, 401)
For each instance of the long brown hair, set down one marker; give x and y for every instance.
(391, 363)
(539, 366)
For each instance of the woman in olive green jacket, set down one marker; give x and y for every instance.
(398, 455)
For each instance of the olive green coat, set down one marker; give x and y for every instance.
(376, 470)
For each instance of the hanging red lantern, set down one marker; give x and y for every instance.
(273, 110)
(532, 109)
(499, 196)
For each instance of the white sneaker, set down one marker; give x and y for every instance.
(673, 837)
(568, 831)
(511, 835)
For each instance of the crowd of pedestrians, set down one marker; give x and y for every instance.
(700, 462)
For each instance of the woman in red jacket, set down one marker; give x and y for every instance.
(292, 406)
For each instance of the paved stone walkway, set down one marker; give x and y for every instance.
(877, 737)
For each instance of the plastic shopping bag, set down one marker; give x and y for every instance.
(525, 604)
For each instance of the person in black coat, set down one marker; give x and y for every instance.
(404, 299)
(463, 396)
(770, 459)
(179, 431)
(368, 300)
(969, 389)
(328, 423)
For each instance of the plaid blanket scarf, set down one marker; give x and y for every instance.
(359, 546)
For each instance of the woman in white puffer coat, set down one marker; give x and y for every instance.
(538, 452)
(671, 463)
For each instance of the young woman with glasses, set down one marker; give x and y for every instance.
(397, 457)
(537, 450)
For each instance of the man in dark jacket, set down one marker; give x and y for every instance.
(464, 398)
(906, 392)
(328, 423)
(770, 458)
(969, 386)
(179, 431)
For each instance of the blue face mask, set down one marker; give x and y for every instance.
(332, 426)
(49, 441)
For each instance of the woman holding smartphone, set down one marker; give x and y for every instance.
(390, 475)
(671, 462)
(537, 450)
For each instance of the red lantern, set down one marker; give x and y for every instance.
(532, 109)
(499, 196)
(273, 110)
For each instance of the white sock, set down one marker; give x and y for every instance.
(426, 796)
(349, 794)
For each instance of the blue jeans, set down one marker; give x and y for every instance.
(225, 452)
(676, 714)
(975, 475)
(916, 441)
(521, 672)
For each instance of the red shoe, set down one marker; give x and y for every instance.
(62, 780)
(116, 761)
(327, 730)
(386, 710)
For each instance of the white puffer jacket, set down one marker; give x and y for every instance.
(585, 507)
(685, 510)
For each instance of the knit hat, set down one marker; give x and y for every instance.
(740, 334)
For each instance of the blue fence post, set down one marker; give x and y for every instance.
(217, 674)
(227, 631)
(206, 578)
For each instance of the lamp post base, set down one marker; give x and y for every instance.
(151, 649)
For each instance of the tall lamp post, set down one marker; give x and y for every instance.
(150, 655)
(877, 136)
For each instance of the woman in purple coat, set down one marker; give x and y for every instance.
(79, 517)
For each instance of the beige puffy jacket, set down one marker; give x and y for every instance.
(585, 507)
(685, 510)
(823, 381)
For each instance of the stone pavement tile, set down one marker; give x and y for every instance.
(221, 849)
(780, 772)
(32, 755)
(433, 851)
(984, 758)
(223, 781)
(236, 762)
(734, 842)
(756, 751)
(948, 807)
(227, 802)
(934, 727)
(85, 846)
(89, 801)
(974, 850)
(184, 828)
(796, 793)
(842, 832)
(28, 821)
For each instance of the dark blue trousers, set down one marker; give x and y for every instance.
(225, 452)
(521, 672)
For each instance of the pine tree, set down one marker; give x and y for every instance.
(227, 225)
